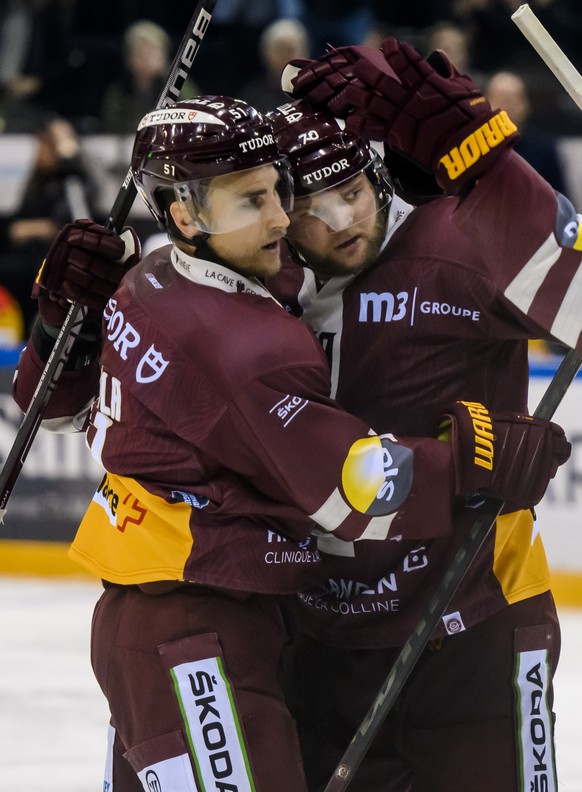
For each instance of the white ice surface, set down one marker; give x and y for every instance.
(53, 717)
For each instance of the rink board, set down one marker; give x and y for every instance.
(59, 478)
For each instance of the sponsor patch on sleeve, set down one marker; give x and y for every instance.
(568, 224)
(377, 475)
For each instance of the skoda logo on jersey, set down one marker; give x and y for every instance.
(153, 781)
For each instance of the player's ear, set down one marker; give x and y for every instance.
(184, 222)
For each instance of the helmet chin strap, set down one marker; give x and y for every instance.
(204, 250)
(199, 243)
(296, 255)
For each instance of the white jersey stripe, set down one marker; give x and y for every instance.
(378, 527)
(325, 314)
(524, 287)
(333, 512)
(333, 545)
(568, 321)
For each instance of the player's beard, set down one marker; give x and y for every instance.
(334, 264)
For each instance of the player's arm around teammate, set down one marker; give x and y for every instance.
(529, 235)
(221, 449)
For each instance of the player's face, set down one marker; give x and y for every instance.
(338, 231)
(248, 202)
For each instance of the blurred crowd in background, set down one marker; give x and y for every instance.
(70, 69)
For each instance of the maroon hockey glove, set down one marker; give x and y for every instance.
(85, 264)
(331, 82)
(507, 455)
(423, 108)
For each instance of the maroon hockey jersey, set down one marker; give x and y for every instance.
(221, 447)
(442, 316)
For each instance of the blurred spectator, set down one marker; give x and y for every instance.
(498, 45)
(51, 61)
(418, 14)
(454, 40)
(409, 21)
(497, 42)
(93, 59)
(508, 91)
(59, 188)
(229, 58)
(338, 22)
(280, 42)
(33, 35)
(146, 49)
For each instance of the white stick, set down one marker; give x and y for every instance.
(549, 51)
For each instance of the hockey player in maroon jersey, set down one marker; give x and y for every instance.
(416, 308)
(222, 453)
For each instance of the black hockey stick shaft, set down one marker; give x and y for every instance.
(416, 643)
(571, 80)
(71, 328)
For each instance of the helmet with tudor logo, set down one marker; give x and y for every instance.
(179, 149)
(325, 159)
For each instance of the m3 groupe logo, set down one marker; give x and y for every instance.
(377, 307)
(383, 307)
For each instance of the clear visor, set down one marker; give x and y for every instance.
(353, 201)
(232, 201)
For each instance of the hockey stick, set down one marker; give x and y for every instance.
(70, 330)
(407, 658)
(488, 510)
(556, 60)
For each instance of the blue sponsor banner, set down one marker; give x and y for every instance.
(541, 368)
(9, 356)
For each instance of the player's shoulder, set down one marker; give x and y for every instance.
(258, 336)
(244, 333)
(429, 235)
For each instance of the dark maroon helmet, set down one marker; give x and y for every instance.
(180, 148)
(322, 154)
